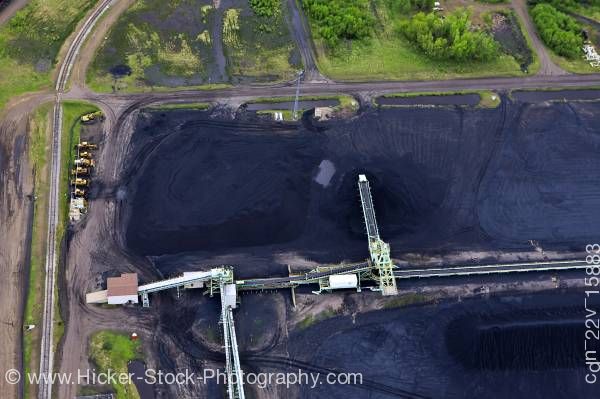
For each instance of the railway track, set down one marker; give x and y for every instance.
(47, 345)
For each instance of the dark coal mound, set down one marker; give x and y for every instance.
(406, 195)
(442, 179)
(209, 187)
(543, 185)
(531, 346)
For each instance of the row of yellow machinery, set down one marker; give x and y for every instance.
(80, 179)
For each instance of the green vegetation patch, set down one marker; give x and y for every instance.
(560, 32)
(156, 43)
(388, 53)
(30, 42)
(167, 107)
(113, 351)
(587, 8)
(451, 37)
(407, 300)
(257, 42)
(335, 20)
(311, 320)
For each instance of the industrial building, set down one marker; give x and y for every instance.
(122, 290)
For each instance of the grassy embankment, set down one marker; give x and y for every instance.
(112, 351)
(39, 144)
(30, 42)
(169, 107)
(312, 319)
(144, 53)
(407, 300)
(346, 103)
(388, 55)
(487, 99)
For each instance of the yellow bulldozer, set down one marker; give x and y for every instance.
(87, 118)
(78, 192)
(84, 162)
(80, 171)
(77, 182)
(86, 154)
(84, 145)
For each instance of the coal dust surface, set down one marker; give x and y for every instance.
(442, 179)
(528, 346)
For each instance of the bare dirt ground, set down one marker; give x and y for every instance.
(16, 209)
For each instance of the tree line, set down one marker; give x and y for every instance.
(560, 32)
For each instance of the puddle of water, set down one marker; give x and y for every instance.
(452, 99)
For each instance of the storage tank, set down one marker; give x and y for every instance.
(342, 281)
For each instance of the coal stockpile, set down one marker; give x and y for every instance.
(528, 346)
(442, 179)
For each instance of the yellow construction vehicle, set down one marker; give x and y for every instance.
(80, 182)
(78, 192)
(84, 145)
(79, 171)
(91, 117)
(84, 162)
(86, 154)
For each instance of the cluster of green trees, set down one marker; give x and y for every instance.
(559, 31)
(567, 4)
(405, 6)
(449, 38)
(265, 8)
(337, 20)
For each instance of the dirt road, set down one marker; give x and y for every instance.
(301, 34)
(16, 212)
(547, 66)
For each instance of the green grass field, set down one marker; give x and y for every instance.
(39, 143)
(112, 351)
(387, 55)
(30, 42)
(258, 48)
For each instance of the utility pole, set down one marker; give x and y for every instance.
(295, 110)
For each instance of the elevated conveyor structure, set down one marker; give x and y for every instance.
(235, 381)
(473, 270)
(215, 280)
(211, 278)
(379, 250)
